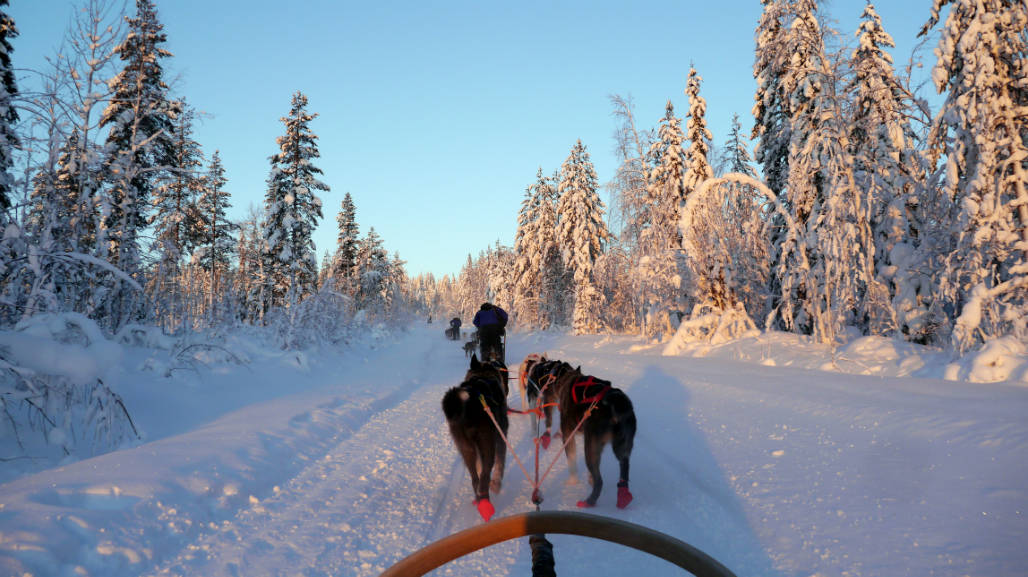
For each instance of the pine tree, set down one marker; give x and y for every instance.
(8, 113)
(658, 274)
(526, 278)
(345, 259)
(292, 210)
(140, 123)
(772, 110)
(215, 236)
(373, 271)
(581, 233)
(537, 265)
(737, 155)
(697, 163)
(887, 170)
(982, 129)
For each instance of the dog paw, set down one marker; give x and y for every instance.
(485, 509)
(586, 504)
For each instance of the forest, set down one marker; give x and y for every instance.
(859, 211)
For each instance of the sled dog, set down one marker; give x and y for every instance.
(539, 374)
(612, 419)
(476, 437)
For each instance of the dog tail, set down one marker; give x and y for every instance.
(455, 402)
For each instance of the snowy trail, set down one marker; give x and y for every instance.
(774, 471)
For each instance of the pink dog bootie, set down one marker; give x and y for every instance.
(485, 508)
(624, 495)
(545, 440)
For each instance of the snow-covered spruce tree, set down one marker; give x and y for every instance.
(826, 266)
(345, 259)
(581, 234)
(470, 289)
(8, 113)
(537, 267)
(888, 172)
(737, 155)
(698, 170)
(139, 148)
(59, 278)
(292, 210)
(177, 225)
(525, 308)
(215, 242)
(499, 264)
(374, 276)
(772, 109)
(982, 128)
(658, 273)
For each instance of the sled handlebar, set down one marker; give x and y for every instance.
(624, 533)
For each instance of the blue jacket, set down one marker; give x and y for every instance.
(493, 316)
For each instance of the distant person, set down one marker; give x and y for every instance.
(454, 331)
(490, 320)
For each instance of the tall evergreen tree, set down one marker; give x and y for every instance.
(982, 129)
(737, 155)
(526, 277)
(140, 124)
(666, 182)
(538, 269)
(772, 110)
(8, 113)
(373, 271)
(887, 170)
(581, 233)
(292, 209)
(658, 273)
(345, 259)
(697, 163)
(215, 237)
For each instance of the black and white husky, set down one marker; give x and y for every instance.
(476, 436)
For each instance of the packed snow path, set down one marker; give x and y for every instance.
(772, 470)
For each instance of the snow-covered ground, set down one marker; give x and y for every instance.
(775, 456)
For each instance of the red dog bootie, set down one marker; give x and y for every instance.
(586, 504)
(485, 508)
(545, 440)
(624, 495)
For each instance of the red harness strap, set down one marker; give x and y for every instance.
(538, 411)
(589, 382)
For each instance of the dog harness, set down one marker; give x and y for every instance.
(585, 384)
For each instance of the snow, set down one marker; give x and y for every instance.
(776, 455)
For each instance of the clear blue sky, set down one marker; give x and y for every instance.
(436, 115)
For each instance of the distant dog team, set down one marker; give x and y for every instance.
(587, 405)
